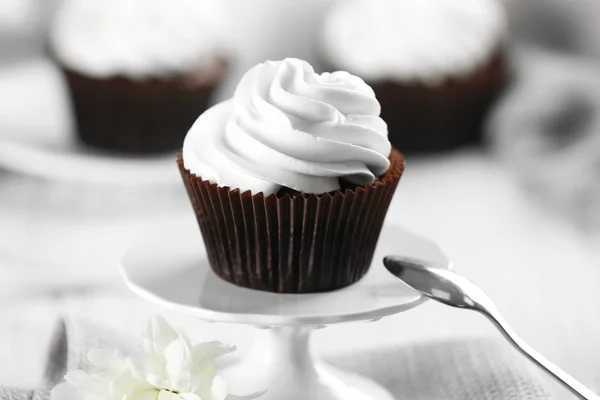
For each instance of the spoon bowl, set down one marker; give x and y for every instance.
(431, 281)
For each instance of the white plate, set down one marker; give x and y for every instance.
(62, 160)
(36, 135)
(168, 266)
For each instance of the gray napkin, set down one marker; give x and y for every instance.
(454, 370)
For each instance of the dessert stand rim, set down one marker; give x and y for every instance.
(271, 321)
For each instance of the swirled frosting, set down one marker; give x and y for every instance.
(423, 41)
(138, 39)
(287, 126)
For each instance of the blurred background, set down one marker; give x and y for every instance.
(502, 141)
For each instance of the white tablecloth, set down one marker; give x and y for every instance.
(543, 274)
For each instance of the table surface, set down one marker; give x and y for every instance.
(60, 245)
(542, 272)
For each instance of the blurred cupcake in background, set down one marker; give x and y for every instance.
(436, 65)
(139, 70)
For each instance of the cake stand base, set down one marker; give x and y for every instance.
(281, 361)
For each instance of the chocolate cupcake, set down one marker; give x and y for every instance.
(436, 66)
(291, 179)
(138, 71)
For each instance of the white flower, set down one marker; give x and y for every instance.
(168, 368)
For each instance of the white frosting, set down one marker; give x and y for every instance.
(287, 126)
(423, 41)
(139, 38)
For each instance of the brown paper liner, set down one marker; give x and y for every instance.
(292, 243)
(140, 117)
(425, 119)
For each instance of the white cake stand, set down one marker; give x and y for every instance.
(168, 267)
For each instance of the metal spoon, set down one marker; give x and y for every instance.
(452, 289)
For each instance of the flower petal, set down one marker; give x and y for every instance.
(65, 391)
(158, 335)
(219, 388)
(181, 384)
(246, 397)
(125, 384)
(158, 382)
(205, 353)
(144, 364)
(190, 396)
(135, 367)
(166, 395)
(78, 378)
(143, 395)
(178, 357)
(86, 382)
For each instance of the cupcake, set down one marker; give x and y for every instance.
(436, 65)
(291, 179)
(139, 70)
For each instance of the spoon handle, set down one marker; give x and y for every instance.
(576, 387)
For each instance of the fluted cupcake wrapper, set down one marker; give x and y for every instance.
(297, 243)
(445, 116)
(450, 114)
(145, 117)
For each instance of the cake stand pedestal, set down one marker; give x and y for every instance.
(168, 266)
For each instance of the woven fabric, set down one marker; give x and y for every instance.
(18, 394)
(452, 370)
